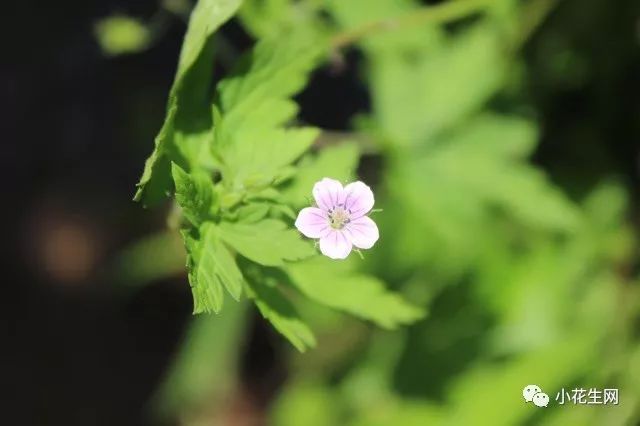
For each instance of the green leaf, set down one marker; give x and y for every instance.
(276, 70)
(268, 242)
(253, 212)
(508, 137)
(361, 295)
(474, 171)
(259, 154)
(356, 14)
(337, 161)
(188, 122)
(466, 182)
(478, 161)
(194, 193)
(253, 107)
(211, 267)
(206, 18)
(267, 18)
(282, 315)
(411, 113)
(473, 396)
(423, 81)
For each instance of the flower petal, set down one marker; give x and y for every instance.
(358, 199)
(362, 232)
(328, 193)
(335, 245)
(313, 222)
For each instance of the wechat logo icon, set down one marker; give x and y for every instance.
(533, 393)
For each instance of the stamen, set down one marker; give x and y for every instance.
(338, 217)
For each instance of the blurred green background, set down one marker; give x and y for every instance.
(502, 145)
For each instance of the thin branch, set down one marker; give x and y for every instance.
(446, 12)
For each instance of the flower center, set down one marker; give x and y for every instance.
(339, 217)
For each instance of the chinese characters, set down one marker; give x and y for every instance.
(591, 396)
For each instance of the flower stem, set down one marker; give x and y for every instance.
(446, 12)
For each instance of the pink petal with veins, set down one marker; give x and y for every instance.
(362, 232)
(335, 245)
(313, 222)
(358, 199)
(328, 193)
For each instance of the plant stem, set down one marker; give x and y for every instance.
(449, 11)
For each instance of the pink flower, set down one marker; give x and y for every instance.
(340, 220)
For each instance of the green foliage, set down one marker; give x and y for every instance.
(482, 162)
(249, 142)
(454, 165)
(251, 146)
(211, 267)
(252, 109)
(410, 113)
(281, 313)
(194, 193)
(413, 115)
(266, 18)
(525, 285)
(268, 242)
(322, 281)
(188, 121)
(338, 161)
(522, 283)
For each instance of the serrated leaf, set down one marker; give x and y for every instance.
(253, 108)
(188, 120)
(206, 290)
(279, 311)
(338, 161)
(358, 294)
(258, 154)
(194, 193)
(268, 242)
(211, 267)
(277, 69)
